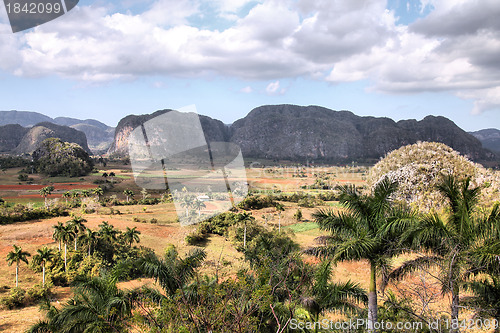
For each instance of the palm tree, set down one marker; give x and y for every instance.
(57, 235)
(128, 194)
(327, 296)
(45, 192)
(362, 231)
(245, 217)
(67, 235)
(85, 193)
(66, 195)
(98, 305)
(105, 175)
(172, 272)
(88, 239)
(112, 174)
(107, 231)
(77, 225)
(15, 256)
(187, 202)
(462, 244)
(198, 205)
(131, 235)
(486, 299)
(279, 208)
(98, 191)
(43, 256)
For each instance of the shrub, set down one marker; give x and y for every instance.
(196, 237)
(298, 215)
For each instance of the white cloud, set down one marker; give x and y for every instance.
(274, 88)
(455, 48)
(247, 90)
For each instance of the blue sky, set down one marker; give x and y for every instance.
(399, 59)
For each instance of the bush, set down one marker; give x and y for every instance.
(15, 299)
(19, 297)
(257, 202)
(196, 237)
(298, 215)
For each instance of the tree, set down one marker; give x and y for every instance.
(362, 231)
(245, 217)
(15, 256)
(198, 205)
(67, 235)
(279, 208)
(45, 192)
(144, 194)
(112, 175)
(486, 299)
(131, 235)
(187, 202)
(298, 215)
(85, 193)
(105, 175)
(108, 232)
(77, 225)
(88, 239)
(462, 244)
(172, 272)
(128, 194)
(327, 296)
(66, 195)
(98, 305)
(43, 256)
(58, 231)
(98, 191)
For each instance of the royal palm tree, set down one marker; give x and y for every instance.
(85, 193)
(279, 208)
(187, 202)
(362, 231)
(128, 194)
(98, 191)
(198, 205)
(107, 231)
(78, 226)
(45, 192)
(460, 243)
(15, 256)
(245, 217)
(66, 195)
(327, 296)
(131, 235)
(67, 235)
(43, 256)
(58, 231)
(88, 239)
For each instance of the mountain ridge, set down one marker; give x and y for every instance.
(291, 132)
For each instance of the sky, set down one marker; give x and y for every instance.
(402, 59)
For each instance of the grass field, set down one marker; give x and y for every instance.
(221, 254)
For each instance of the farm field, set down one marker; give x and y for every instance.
(159, 226)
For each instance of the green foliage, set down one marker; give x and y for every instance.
(298, 215)
(257, 202)
(58, 158)
(19, 298)
(21, 213)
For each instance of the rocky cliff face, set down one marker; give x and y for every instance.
(35, 136)
(315, 133)
(214, 130)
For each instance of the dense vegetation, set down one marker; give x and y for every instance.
(58, 158)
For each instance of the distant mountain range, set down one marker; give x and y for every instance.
(99, 136)
(282, 132)
(490, 138)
